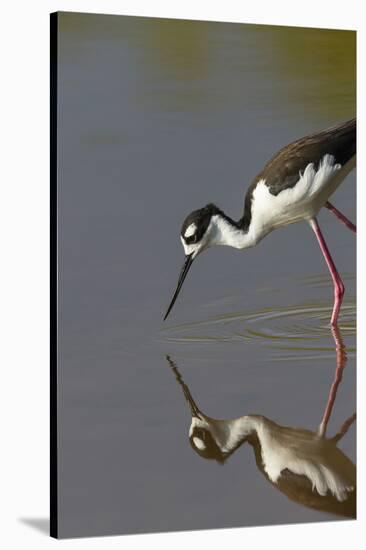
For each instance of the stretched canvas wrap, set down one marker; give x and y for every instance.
(229, 400)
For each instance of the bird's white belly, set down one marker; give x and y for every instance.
(277, 457)
(301, 202)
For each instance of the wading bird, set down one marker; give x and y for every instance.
(293, 186)
(304, 465)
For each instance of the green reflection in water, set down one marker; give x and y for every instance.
(323, 65)
(207, 66)
(180, 47)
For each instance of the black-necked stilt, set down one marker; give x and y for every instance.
(305, 465)
(293, 186)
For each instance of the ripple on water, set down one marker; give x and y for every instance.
(300, 327)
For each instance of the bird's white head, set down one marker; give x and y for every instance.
(197, 232)
(203, 441)
(200, 230)
(209, 437)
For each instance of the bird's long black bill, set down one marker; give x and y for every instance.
(187, 394)
(182, 276)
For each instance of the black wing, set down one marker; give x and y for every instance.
(282, 171)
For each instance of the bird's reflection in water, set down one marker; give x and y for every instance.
(307, 466)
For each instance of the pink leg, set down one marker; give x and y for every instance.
(344, 428)
(341, 363)
(341, 217)
(337, 281)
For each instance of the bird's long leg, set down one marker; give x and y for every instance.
(337, 281)
(344, 428)
(341, 359)
(341, 216)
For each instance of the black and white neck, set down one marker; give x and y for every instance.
(226, 232)
(210, 226)
(278, 449)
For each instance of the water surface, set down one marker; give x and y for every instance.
(157, 118)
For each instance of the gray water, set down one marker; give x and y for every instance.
(157, 118)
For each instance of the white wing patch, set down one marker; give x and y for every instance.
(191, 230)
(300, 202)
(199, 443)
(277, 457)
